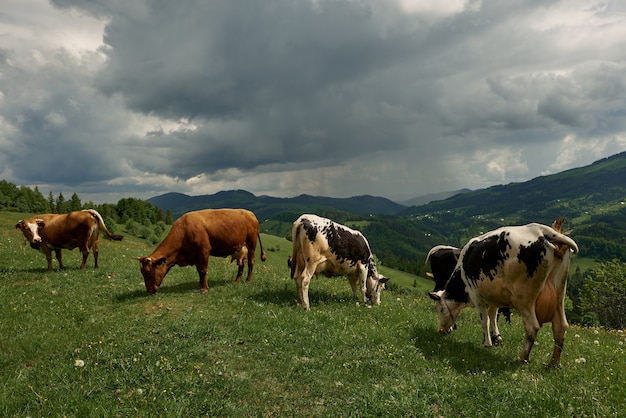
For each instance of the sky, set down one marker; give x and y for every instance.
(395, 98)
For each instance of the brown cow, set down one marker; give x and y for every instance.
(80, 229)
(197, 235)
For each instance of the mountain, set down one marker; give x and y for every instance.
(265, 206)
(568, 194)
(591, 198)
(424, 200)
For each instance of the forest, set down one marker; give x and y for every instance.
(136, 216)
(596, 296)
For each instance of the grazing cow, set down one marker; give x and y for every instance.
(442, 260)
(52, 232)
(524, 267)
(197, 235)
(323, 246)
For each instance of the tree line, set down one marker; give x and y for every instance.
(139, 218)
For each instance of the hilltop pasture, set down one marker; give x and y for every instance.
(93, 343)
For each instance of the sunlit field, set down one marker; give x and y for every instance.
(93, 343)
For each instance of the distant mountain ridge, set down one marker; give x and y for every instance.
(432, 197)
(562, 194)
(267, 206)
(540, 197)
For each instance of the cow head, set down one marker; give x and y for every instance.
(153, 272)
(447, 309)
(30, 229)
(375, 285)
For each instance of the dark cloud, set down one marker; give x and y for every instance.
(385, 97)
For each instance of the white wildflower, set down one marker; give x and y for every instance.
(79, 363)
(580, 360)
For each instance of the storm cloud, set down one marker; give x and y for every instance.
(393, 98)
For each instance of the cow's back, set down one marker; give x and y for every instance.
(509, 266)
(225, 230)
(69, 230)
(333, 248)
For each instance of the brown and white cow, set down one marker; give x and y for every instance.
(323, 246)
(197, 235)
(524, 267)
(52, 232)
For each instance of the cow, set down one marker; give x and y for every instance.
(56, 232)
(524, 267)
(323, 246)
(443, 260)
(197, 235)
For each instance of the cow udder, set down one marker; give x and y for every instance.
(545, 306)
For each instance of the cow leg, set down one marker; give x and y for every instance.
(302, 283)
(59, 257)
(240, 271)
(203, 284)
(559, 326)
(492, 312)
(84, 262)
(250, 264)
(483, 313)
(95, 254)
(303, 279)
(531, 325)
(354, 284)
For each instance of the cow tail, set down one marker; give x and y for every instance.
(295, 251)
(263, 255)
(556, 237)
(102, 226)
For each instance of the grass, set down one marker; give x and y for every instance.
(249, 350)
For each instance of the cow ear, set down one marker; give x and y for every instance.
(434, 296)
(19, 224)
(383, 280)
(40, 223)
(160, 261)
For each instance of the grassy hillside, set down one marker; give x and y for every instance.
(93, 343)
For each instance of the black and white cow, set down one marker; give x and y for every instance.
(524, 267)
(443, 259)
(323, 246)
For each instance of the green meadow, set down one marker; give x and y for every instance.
(92, 343)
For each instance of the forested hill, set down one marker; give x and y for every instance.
(567, 194)
(266, 207)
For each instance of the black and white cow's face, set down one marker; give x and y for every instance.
(447, 309)
(374, 286)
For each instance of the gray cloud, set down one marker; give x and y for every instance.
(388, 97)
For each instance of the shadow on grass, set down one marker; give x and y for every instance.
(463, 356)
(178, 288)
(287, 295)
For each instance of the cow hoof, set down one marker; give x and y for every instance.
(203, 291)
(497, 339)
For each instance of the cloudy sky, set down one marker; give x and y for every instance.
(394, 98)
